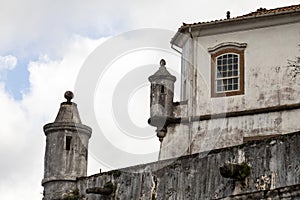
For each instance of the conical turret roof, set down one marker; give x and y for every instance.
(68, 118)
(68, 111)
(162, 73)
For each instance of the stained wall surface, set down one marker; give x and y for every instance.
(274, 174)
(269, 84)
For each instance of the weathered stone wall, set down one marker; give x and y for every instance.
(224, 132)
(177, 136)
(274, 174)
(66, 152)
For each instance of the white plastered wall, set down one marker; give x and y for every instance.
(268, 83)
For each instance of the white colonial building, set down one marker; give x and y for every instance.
(236, 83)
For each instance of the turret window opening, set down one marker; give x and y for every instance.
(68, 142)
(184, 97)
(152, 93)
(162, 89)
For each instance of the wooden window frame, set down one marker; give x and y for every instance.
(219, 52)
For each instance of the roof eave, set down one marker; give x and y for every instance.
(233, 25)
(241, 18)
(176, 39)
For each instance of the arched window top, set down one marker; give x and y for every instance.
(228, 56)
(227, 45)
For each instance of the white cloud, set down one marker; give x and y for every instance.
(19, 151)
(22, 139)
(32, 26)
(8, 62)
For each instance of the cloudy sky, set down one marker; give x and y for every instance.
(43, 47)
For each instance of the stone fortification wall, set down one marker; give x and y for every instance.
(255, 170)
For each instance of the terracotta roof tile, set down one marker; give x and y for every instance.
(257, 13)
(264, 11)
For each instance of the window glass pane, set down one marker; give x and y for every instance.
(219, 86)
(235, 59)
(235, 86)
(227, 68)
(220, 89)
(224, 62)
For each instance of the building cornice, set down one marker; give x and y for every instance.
(278, 108)
(59, 178)
(62, 126)
(234, 25)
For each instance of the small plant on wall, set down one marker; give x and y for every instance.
(295, 66)
(72, 195)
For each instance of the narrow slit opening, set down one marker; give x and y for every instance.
(162, 89)
(68, 142)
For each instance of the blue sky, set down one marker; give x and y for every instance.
(16, 80)
(50, 40)
(34, 28)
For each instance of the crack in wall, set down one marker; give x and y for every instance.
(154, 187)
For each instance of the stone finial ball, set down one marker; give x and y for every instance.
(69, 95)
(162, 62)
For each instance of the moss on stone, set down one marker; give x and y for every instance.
(244, 171)
(109, 185)
(116, 173)
(235, 171)
(73, 195)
